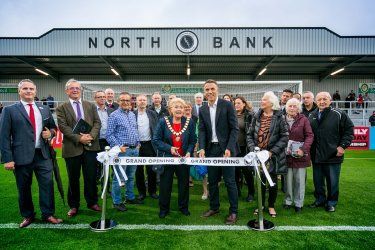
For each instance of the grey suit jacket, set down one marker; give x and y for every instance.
(17, 141)
(66, 119)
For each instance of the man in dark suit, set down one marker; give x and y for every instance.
(25, 129)
(79, 151)
(198, 102)
(146, 123)
(110, 97)
(157, 106)
(218, 132)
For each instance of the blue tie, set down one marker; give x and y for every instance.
(319, 115)
(79, 113)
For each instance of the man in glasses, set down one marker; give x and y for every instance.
(79, 150)
(122, 131)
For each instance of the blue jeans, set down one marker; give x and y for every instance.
(326, 174)
(130, 172)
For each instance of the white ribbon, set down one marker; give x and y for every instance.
(104, 158)
(252, 159)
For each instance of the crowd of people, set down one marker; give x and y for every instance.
(298, 131)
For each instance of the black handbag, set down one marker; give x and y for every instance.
(276, 167)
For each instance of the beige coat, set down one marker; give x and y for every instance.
(66, 120)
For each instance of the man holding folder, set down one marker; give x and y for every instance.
(79, 150)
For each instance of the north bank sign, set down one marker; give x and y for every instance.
(186, 42)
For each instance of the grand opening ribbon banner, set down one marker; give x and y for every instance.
(111, 158)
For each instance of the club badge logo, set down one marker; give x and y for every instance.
(187, 42)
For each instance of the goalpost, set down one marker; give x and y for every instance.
(251, 90)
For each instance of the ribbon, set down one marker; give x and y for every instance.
(252, 159)
(104, 158)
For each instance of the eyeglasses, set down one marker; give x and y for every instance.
(74, 88)
(124, 100)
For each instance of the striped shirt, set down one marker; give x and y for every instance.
(122, 129)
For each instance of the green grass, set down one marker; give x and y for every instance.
(356, 208)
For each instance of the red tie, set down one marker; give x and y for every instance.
(32, 118)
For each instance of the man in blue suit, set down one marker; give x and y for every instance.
(25, 129)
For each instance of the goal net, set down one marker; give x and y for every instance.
(251, 90)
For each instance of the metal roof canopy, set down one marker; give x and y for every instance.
(56, 67)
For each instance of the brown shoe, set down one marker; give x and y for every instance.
(72, 212)
(26, 222)
(231, 219)
(95, 208)
(210, 213)
(53, 220)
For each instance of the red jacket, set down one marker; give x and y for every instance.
(301, 131)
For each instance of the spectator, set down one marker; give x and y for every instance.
(51, 102)
(367, 99)
(372, 119)
(333, 133)
(360, 102)
(297, 96)
(298, 154)
(244, 118)
(269, 131)
(227, 97)
(336, 96)
(156, 105)
(110, 96)
(308, 105)
(285, 96)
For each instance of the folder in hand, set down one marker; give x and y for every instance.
(82, 127)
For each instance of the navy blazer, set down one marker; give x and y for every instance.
(163, 137)
(226, 125)
(17, 141)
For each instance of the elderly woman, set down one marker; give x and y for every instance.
(298, 154)
(244, 117)
(175, 137)
(269, 131)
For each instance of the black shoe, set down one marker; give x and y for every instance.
(315, 205)
(134, 202)
(185, 212)
(163, 214)
(285, 206)
(154, 196)
(250, 198)
(141, 197)
(298, 209)
(120, 207)
(330, 209)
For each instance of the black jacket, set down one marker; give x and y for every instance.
(333, 130)
(163, 111)
(226, 126)
(278, 139)
(307, 112)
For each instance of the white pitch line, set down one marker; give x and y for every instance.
(162, 227)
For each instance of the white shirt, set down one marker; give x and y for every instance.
(38, 121)
(143, 127)
(103, 115)
(213, 108)
(197, 108)
(75, 107)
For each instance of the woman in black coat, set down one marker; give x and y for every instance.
(175, 137)
(269, 131)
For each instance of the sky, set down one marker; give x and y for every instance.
(32, 18)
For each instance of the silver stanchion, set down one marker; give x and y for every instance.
(261, 224)
(103, 224)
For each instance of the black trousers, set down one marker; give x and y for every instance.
(166, 182)
(247, 174)
(43, 170)
(146, 150)
(99, 166)
(272, 191)
(229, 179)
(87, 162)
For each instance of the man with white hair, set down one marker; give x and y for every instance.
(110, 96)
(157, 106)
(198, 99)
(333, 133)
(308, 104)
(79, 150)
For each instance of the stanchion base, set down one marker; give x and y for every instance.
(96, 226)
(254, 225)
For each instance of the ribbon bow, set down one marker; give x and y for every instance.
(252, 159)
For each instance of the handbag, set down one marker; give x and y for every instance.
(276, 167)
